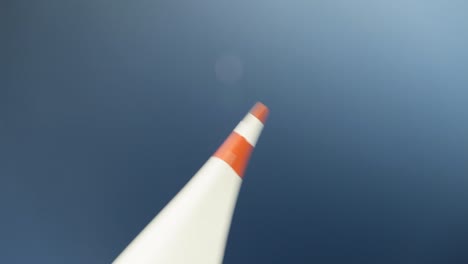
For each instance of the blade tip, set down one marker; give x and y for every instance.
(260, 111)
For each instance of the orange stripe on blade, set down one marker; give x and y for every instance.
(260, 111)
(236, 152)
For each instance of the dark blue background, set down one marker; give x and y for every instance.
(107, 108)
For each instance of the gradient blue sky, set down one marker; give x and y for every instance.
(107, 108)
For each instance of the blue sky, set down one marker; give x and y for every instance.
(107, 108)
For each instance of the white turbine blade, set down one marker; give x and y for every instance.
(194, 226)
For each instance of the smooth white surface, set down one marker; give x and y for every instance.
(250, 128)
(193, 227)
